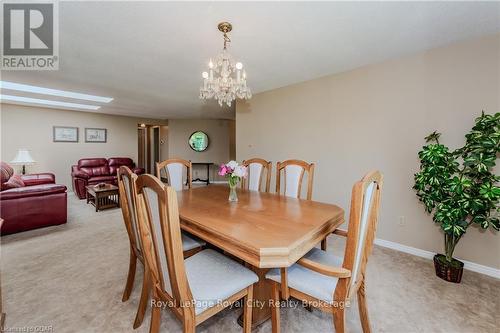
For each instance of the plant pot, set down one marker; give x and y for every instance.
(451, 272)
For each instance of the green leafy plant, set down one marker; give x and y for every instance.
(458, 186)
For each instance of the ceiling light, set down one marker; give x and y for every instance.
(225, 81)
(10, 98)
(53, 92)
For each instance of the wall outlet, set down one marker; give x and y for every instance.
(401, 221)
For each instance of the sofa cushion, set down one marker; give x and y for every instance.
(39, 179)
(6, 171)
(116, 162)
(80, 174)
(94, 166)
(14, 182)
(31, 191)
(102, 179)
(92, 162)
(138, 171)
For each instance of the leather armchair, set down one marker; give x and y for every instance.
(33, 202)
(92, 171)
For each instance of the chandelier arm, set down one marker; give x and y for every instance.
(226, 40)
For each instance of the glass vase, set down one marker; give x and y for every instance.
(233, 196)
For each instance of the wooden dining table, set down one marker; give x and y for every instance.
(263, 230)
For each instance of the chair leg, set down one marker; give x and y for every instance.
(130, 276)
(363, 309)
(192, 252)
(154, 326)
(247, 311)
(141, 310)
(323, 244)
(189, 325)
(339, 320)
(275, 308)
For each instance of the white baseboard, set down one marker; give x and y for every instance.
(472, 266)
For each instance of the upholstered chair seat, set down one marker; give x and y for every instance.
(190, 242)
(214, 277)
(309, 282)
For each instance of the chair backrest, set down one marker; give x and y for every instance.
(293, 175)
(173, 169)
(160, 232)
(365, 203)
(128, 206)
(256, 167)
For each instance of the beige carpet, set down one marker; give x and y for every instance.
(71, 277)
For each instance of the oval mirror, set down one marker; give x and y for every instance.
(198, 141)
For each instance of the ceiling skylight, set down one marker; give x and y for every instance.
(53, 92)
(19, 99)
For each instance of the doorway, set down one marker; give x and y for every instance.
(150, 141)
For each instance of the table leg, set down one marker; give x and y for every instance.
(261, 296)
(208, 174)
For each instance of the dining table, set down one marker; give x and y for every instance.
(262, 230)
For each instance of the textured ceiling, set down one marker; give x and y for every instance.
(149, 55)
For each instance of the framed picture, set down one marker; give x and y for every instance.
(65, 134)
(95, 135)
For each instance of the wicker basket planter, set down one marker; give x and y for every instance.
(446, 271)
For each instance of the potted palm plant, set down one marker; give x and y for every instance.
(459, 188)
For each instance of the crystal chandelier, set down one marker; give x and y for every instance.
(225, 80)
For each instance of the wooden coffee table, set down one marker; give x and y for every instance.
(103, 197)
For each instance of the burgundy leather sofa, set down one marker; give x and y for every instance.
(92, 171)
(30, 201)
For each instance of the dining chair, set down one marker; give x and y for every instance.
(328, 282)
(128, 205)
(174, 169)
(293, 176)
(256, 167)
(196, 288)
(293, 171)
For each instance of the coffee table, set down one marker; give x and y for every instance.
(103, 197)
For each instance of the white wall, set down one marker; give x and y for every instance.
(31, 128)
(376, 117)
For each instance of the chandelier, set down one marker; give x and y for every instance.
(225, 80)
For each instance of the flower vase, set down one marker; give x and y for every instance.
(233, 197)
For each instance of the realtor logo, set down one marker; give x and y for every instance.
(30, 36)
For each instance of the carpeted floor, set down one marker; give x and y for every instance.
(71, 278)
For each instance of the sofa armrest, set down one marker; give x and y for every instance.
(39, 179)
(32, 191)
(80, 174)
(138, 171)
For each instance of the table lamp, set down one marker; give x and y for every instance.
(23, 158)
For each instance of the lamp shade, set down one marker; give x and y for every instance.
(23, 157)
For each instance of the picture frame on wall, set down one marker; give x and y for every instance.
(96, 135)
(64, 134)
